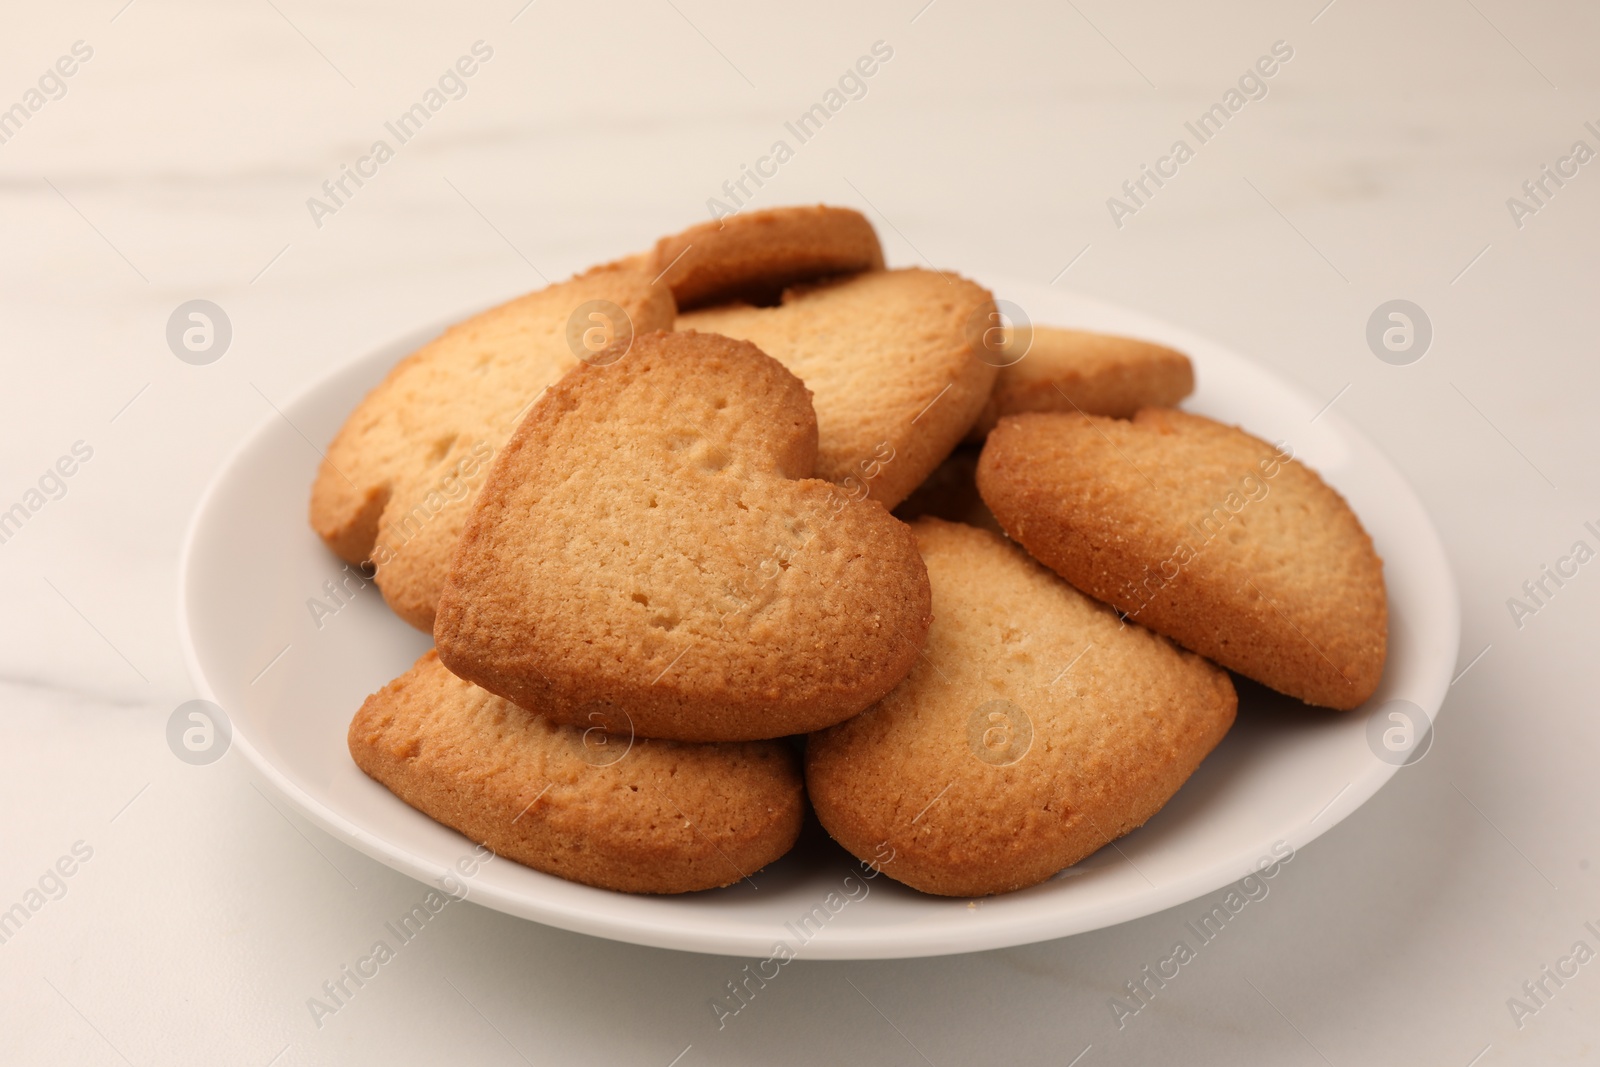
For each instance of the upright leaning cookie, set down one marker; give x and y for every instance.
(1037, 729)
(603, 809)
(1203, 533)
(754, 255)
(1051, 369)
(889, 357)
(400, 475)
(651, 542)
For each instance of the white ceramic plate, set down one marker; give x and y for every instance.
(1285, 773)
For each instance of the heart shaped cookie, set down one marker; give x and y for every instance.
(1046, 368)
(650, 542)
(397, 481)
(603, 809)
(1204, 533)
(1037, 729)
(888, 357)
(753, 255)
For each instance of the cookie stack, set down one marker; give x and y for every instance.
(748, 523)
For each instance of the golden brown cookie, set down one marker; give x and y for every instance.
(951, 493)
(1037, 729)
(398, 479)
(651, 541)
(889, 360)
(602, 809)
(1076, 370)
(1203, 533)
(754, 255)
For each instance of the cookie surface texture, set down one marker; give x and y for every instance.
(398, 479)
(601, 809)
(889, 356)
(651, 542)
(1038, 729)
(1204, 533)
(1076, 370)
(754, 255)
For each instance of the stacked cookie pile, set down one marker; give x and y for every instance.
(749, 521)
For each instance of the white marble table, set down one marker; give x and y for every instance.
(175, 163)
